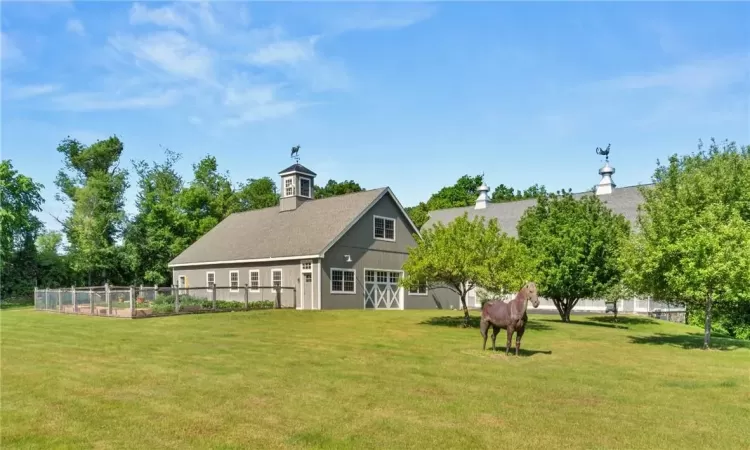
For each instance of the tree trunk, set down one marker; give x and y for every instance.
(707, 326)
(558, 305)
(466, 309)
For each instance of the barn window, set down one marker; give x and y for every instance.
(384, 228)
(304, 187)
(234, 281)
(420, 289)
(276, 273)
(288, 187)
(254, 280)
(210, 280)
(342, 281)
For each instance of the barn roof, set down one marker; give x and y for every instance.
(270, 233)
(624, 200)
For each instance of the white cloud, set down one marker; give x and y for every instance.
(75, 26)
(167, 16)
(31, 90)
(285, 52)
(103, 101)
(195, 120)
(265, 111)
(8, 48)
(170, 51)
(380, 16)
(693, 76)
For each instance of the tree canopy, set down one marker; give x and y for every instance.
(20, 198)
(465, 254)
(693, 244)
(333, 188)
(575, 244)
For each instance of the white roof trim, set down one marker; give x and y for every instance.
(242, 261)
(388, 191)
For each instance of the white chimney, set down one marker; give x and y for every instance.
(482, 200)
(606, 185)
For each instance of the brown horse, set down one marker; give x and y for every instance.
(511, 316)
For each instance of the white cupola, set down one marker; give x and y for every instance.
(483, 198)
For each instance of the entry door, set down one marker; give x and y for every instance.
(307, 292)
(382, 290)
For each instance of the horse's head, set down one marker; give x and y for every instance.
(531, 295)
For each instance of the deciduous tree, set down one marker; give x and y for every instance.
(693, 244)
(94, 185)
(333, 188)
(575, 244)
(159, 230)
(464, 254)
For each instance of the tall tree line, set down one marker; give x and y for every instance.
(98, 241)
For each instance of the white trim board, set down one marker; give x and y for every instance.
(242, 261)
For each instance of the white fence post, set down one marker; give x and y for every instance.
(176, 295)
(91, 301)
(36, 298)
(59, 300)
(74, 300)
(132, 302)
(46, 299)
(108, 299)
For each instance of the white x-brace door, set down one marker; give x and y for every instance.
(382, 290)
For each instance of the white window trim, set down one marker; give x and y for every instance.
(426, 291)
(230, 281)
(284, 186)
(374, 217)
(302, 266)
(250, 280)
(300, 187)
(281, 279)
(208, 284)
(182, 285)
(330, 282)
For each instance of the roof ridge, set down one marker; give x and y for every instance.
(310, 201)
(534, 198)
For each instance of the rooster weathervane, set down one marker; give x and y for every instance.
(604, 152)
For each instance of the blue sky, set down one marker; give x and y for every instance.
(406, 95)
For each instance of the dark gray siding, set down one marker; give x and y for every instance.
(290, 277)
(366, 252)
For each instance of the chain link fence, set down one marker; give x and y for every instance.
(149, 301)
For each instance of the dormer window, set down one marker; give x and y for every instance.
(288, 187)
(384, 228)
(304, 187)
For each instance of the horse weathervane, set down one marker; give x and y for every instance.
(604, 152)
(295, 153)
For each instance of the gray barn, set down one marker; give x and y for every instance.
(339, 252)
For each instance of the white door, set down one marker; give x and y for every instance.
(382, 290)
(307, 298)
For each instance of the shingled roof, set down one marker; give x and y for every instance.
(270, 233)
(298, 168)
(623, 201)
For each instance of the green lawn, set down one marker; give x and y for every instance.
(364, 379)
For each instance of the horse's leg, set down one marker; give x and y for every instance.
(495, 330)
(519, 335)
(484, 325)
(510, 339)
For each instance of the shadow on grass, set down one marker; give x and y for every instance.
(690, 341)
(607, 322)
(521, 352)
(458, 322)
